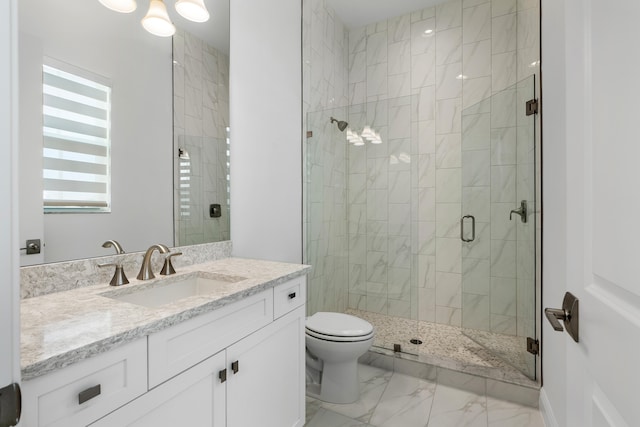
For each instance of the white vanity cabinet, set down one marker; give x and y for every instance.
(266, 384)
(257, 381)
(241, 365)
(194, 398)
(85, 391)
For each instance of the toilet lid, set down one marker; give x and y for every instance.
(338, 325)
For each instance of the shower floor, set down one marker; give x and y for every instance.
(446, 346)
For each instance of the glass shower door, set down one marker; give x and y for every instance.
(359, 220)
(498, 225)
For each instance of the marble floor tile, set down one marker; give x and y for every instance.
(373, 382)
(457, 408)
(507, 414)
(405, 402)
(313, 406)
(326, 418)
(397, 400)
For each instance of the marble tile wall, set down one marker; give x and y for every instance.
(201, 117)
(410, 77)
(325, 208)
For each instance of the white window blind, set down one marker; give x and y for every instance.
(76, 131)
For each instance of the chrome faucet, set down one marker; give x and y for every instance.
(146, 272)
(119, 278)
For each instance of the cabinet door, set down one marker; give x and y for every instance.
(195, 398)
(268, 388)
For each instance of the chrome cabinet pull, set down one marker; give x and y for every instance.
(235, 367)
(292, 295)
(222, 375)
(473, 228)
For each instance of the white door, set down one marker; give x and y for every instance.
(601, 245)
(9, 255)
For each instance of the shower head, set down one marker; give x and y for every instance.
(342, 125)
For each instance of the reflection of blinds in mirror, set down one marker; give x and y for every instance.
(185, 188)
(76, 132)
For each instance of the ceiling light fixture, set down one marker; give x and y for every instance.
(122, 6)
(193, 10)
(157, 21)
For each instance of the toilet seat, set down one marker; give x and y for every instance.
(338, 327)
(334, 338)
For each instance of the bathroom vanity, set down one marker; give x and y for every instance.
(232, 356)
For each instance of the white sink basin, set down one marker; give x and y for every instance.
(161, 294)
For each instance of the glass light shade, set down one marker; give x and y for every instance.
(193, 10)
(157, 20)
(367, 133)
(351, 135)
(122, 6)
(359, 142)
(376, 138)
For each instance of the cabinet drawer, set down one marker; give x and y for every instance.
(289, 295)
(103, 383)
(178, 348)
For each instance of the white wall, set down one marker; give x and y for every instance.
(554, 159)
(138, 64)
(9, 279)
(265, 116)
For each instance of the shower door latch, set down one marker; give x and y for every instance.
(532, 107)
(569, 314)
(533, 345)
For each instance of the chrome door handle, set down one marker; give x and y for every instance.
(473, 228)
(569, 314)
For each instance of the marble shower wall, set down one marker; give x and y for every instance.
(201, 118)
(410, 77)
(325, 58)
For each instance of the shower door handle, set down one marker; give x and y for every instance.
(473, 228)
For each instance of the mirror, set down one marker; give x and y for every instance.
(154, 195)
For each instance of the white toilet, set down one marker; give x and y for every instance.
(335, 341)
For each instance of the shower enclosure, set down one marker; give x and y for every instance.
(391, 245)
(420, 214)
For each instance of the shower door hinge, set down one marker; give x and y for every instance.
(532, 107)
(533, 345)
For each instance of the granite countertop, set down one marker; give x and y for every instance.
(65, 327)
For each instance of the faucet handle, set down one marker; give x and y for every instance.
(167, 268)
(119, 278)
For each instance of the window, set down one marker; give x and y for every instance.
(76, 132)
